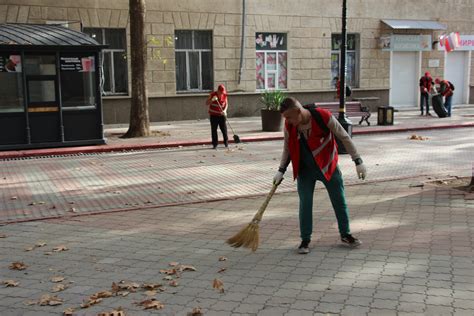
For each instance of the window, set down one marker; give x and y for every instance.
(78, 81)
(40, 71)
(114, 59)
(193, 60)
(352, 59)
(11, 84)
(271, 62)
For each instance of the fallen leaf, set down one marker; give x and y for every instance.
(50, 300)
(40, 244)
(14, 198)
(167, 278)
(186, 268)
(58, 288)
(57, 279)
(18, 266)
(31, 302)
(60, 248)
(48, 253)
(90, 302)
(221, 270)
(222, 258)
(151, 286)
(173, 264)
(30, 248)
(102, 294)
(116, 312)
(150, 293)
(73, 210)
(68, 311)
(169, 271)
(173, 283)
(151, 304)
(196, 312)
(11, 283)
(3, 236)
(218, 285)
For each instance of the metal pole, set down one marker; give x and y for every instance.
(342, 118)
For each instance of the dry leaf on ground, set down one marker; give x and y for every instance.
(60, 248)
(173, 283)
(40, 244)
(417, 137)
(102, 294)
(185, 267)
(18, 266)
(168, 278)
(169, 271)
(50, 300)
(173, 264)
(151, 286)
(11, 283)
(222, 258)
(68, 311)
(56, 279)
(116, 312)
(90, 302)
(221, 270)
(196, 312)
(31, 302)
(3, 236)
(29, 248)
(151, 304)
(218, 285)
(58, 288)
(14, 198)
(150, 293)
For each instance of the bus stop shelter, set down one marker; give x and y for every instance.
(50, 93)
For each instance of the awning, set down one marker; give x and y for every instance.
(414, 25)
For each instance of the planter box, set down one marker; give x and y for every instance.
(271, 120)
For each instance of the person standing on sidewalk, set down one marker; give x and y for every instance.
(310, 145)
(446, 90)
(426, 82)
(217, 103)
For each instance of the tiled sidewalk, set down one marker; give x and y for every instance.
(416, 259)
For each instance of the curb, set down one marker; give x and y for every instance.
(138, 147)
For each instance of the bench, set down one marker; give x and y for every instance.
(353, 109)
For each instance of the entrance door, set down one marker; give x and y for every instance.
(42, 98)
(456, 72)
(404, 81)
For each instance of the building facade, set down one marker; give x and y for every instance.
(195, 45)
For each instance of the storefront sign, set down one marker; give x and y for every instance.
(10, 63)
(466, 43)
(79, 64)
(407, 43)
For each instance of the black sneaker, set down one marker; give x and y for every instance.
(351, 241)
(304, 247)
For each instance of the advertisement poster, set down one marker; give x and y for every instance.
(78, 64)
(10, 63)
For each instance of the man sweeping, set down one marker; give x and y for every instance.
(311, 147)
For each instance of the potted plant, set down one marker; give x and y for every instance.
(271, 117)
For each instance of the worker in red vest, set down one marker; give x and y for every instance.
(217, 103)
(426, 83)
(446, 90)
(310, 145)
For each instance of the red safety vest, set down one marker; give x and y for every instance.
(447, 91)
(322, 145)
(214, 108)
(425, 82)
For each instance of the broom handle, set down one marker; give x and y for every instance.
(258, 216)
(220, 106)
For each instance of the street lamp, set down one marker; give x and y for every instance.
(342, 118)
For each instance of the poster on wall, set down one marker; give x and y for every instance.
(270, 41)
(78, 64)
(10, 63)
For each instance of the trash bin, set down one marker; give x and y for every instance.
(385, 115)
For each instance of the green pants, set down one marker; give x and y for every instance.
(308, 174)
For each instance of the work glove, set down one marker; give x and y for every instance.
(361, 171)
(225, 114)
(278, 178)
(214, 98)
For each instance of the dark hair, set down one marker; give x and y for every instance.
(288, 103)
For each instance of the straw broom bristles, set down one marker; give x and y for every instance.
(248, 237)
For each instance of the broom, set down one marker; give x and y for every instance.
(248, 236)
(236, 137)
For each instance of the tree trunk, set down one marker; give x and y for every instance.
(139, 117)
